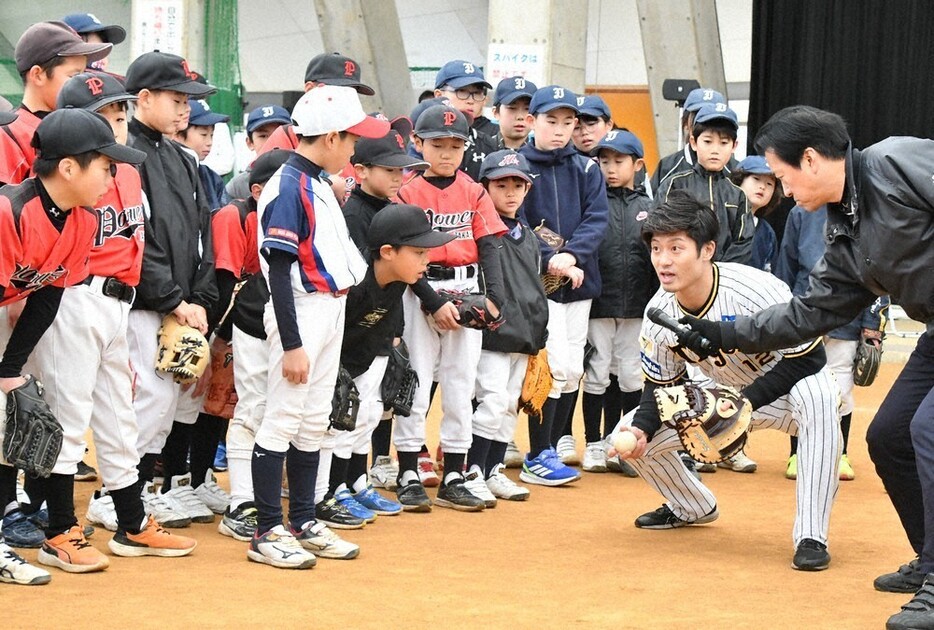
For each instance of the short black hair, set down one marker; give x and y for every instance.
(682, 212)
(587, 118)
(792, 130)
(721, 127)
(313, 139)
(48, 67)
(44, 167)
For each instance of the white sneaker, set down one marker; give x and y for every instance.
(183, 500)
(595, 457)
(567, 450)
(503, 487)
(513, 458)
(324, 543)
(383, 473)
(15, 570)
(739, 463)
(101, 511)
(156, 507)
(476, 485)
(212, 495)
(279, 548)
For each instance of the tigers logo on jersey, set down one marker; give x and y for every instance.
(118, 224)
(29, 279)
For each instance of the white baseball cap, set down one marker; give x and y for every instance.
(335, 108)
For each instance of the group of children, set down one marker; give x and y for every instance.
(345, 241)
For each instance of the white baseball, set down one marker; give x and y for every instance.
(624, 442)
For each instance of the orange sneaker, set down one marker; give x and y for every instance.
(152, 541)
(71, 552)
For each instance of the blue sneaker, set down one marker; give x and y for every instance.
(547, 470)
(220, 458)
(348, 501)
(375, 502)
(20, 531)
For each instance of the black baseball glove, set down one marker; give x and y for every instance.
(346, 402)
(867, 361)
(472, 311)
(33, 437)
(399, 382)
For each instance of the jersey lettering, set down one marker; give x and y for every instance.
(26, 278)
(460, 224)
(118, 223)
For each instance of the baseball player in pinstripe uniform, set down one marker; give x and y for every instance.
(790, 390)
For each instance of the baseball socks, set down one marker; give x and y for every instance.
(593, 406)
(540, 428)
(267, 487)
(356, 472)
(478, 454)
(495, 456)
(302, 470)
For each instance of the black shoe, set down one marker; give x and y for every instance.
(691, 465)
(85, 472)
(456, 496)
(335, 515)
(811, 556)
(918, 614)
(908, 579)
(413, 497)
(664, 518)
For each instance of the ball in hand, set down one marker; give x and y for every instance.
(624, 442)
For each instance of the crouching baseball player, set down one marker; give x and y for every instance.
(790, 390)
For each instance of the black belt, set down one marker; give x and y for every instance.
(115, 289)
(440, 272)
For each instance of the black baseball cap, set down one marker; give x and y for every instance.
(336, 69)
(404, 224)
(44, 41)
(165, 71)
(69, 132)
(85, 23)
(92, 91)
(442, 121)
(388, 151)
(266, 165)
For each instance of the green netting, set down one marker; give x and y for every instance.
(222, 58)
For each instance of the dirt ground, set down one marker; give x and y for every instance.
(569, 557)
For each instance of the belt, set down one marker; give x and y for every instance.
(440, 272)
(111, 287)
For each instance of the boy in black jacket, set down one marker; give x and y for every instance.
(507, 177)
(613, 382)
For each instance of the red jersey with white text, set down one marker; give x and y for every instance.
(233, 228)
(118, 243)
(463, 209)
(16, 152)
(33, 253)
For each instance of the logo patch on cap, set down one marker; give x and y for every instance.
(557, 93)
(469, 68)
(611, 135)
(510, 160)
(400, 141)
(449, 119)
(95, 86)
(520, 83)
(720, 107)
(580, 101)
(191, 75)
(349, 68)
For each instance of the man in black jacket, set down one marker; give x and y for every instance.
(880, 222)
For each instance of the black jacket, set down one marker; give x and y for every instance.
(679, 162)
(626, 271)
(478, 146)
(879, 241)
(359, 211)
(737, 229)
(370, 322)
(178, 260)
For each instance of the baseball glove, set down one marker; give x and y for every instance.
(346, 402)
(712, 422)
(183, 351)
(33, 437)
(472, 310)
(554, 242)
(536, 384)
(866, 363)
(221, 397)
(399, 382)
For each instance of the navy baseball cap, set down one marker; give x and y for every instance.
(508, 91)
(388, 151)
(267, 114)
(69, 132)
(266, 165)
(624, 142)
(701, 96)
(716, 111)
(460, 73)
(202, 115)
(92, 91)
(553, 97)
(756, 165)
(85, 23)
(404, 224)
(593, 105)
(164, 71)
(442, 121)
(336, 69)
(505, 163)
